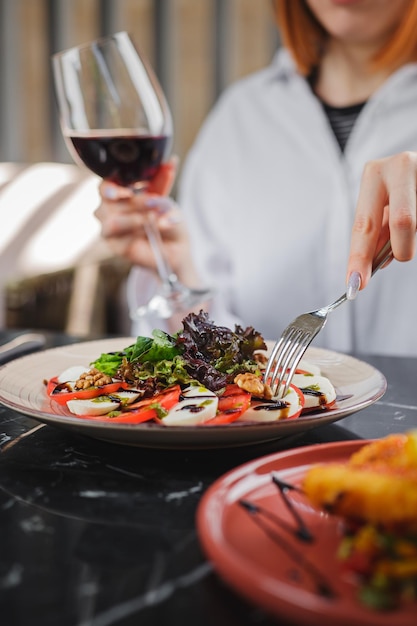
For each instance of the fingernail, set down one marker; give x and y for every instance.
(162, 204)
(151, 203)
(353, 286)
(110, 193)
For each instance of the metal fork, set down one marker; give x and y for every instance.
(298, 335)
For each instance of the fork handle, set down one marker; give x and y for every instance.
(384, 255)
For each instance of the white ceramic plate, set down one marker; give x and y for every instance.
(357, 383)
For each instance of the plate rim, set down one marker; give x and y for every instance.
(157, 436)
(209, 531)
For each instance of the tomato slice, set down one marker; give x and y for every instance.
(56, 391)
(232, 390)
(232, 403)
(297, 371)
(166, 398)
(135, 417)
(143, 410)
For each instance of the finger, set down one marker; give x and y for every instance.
(119, 245)
(129, 248)
(166, 209)
(402, 207)
(111, 191)
(368, 222)
(121, 224)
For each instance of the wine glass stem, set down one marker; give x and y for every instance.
(168, 277)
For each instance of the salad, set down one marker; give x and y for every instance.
(202, 375)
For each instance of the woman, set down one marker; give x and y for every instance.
(270, 188)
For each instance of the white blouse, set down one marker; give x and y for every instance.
(270, 198)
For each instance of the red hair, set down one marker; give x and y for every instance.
(305, 38)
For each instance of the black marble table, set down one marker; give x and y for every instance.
(97, 534)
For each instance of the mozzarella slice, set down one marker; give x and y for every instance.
(72, 374)
(197, 405)
(318, 391)
(309, 367)
(95, 406)
(270, 411)
(126, 396)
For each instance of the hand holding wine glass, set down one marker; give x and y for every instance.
(116, 121)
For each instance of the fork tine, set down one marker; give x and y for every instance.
(271, 359)
(289, 371)
(291, 342)
(287, 345)
(281, 370)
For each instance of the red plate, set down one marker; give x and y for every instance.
(256, 550)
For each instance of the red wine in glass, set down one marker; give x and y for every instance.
(122, 159)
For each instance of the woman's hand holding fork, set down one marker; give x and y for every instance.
(386, 210)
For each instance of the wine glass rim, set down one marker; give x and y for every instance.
(99, 40)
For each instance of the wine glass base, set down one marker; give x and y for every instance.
(164, 306)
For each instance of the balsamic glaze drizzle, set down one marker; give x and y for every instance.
(302, 532)
(193, 408)
(270, 405)
(275, 406)
(269, 522)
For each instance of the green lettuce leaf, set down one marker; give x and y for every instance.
(158, 348)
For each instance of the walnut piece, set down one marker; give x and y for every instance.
(254, 385)
(92, 378)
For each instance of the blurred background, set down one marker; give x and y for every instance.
(197, 47)
(52, 262)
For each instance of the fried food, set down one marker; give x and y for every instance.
(378, 485)
(375, 493)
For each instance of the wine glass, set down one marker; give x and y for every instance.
(116, 121)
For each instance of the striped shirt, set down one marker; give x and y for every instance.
(342, 120)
